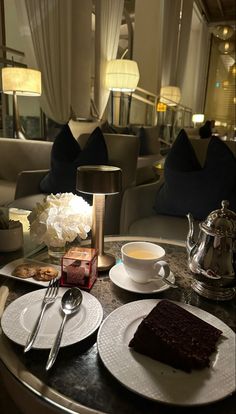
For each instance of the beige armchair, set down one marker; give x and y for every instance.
(137, 213)
(123, 152)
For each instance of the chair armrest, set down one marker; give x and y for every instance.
(137, 203)
(28, 182)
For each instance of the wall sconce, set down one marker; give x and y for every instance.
(226, 47)
(223, 32)
(23, 82)
(197, 119)
(232, 70)
(170, 95)
(99, 180)
(122, 75)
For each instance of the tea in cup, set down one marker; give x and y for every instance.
(143, 262)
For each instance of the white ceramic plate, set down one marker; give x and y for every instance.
(9, 268)
(158, 381)
(119, 277)
(19, 317)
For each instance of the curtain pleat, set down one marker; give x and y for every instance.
(108, 21)
(51, 34)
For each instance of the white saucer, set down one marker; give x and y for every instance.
(119, 277)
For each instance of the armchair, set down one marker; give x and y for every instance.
(138, 216)
(123, 152)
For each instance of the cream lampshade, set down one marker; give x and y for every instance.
(170, 95)
(99, 180)
(122, 75)
(24, 82)
(197, 119)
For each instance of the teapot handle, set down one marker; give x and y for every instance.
(210, 274)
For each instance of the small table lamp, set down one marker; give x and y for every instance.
(24, 82)
(99, 180)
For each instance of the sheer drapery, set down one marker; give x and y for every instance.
(170, 41)
(201, 69)
(184, 36)
(195, 79)
(148, 43)
(107, 31)
(57, 36)
(176, 34)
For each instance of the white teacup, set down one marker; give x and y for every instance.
(142, 262)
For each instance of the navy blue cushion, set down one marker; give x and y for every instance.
(143, 149)
(190, 188)
(67, 156)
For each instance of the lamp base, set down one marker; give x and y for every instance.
(105, 262)
(19, 134)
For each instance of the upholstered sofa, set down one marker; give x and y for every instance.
(23, 164)
(138, 216)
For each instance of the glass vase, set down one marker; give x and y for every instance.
(55, 253)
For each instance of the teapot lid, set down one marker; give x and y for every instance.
(221, 222)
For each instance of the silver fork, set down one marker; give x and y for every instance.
(49, 297)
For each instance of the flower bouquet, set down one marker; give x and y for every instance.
(59, 219)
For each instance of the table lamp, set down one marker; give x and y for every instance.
(24, 82)
(99, 180)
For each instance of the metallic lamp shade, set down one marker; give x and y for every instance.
(100, 179)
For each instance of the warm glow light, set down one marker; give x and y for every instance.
(161, 107)
(197, 118)
(170, 95)
(225, 84)
(22, 81)
(226, 47)
(232, 69)
(223, 32)
(234, 100)
(122, 75)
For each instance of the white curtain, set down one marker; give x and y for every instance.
(57, 35)
(170, 41)
(195, 77)
(184, 36)
(176, 40)
(201, 69)
(107, 31)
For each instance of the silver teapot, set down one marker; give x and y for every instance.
(212, 258)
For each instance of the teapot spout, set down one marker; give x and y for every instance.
(190, 240)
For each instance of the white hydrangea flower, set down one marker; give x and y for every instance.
(60, 219)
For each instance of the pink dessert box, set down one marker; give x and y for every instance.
(79, 267)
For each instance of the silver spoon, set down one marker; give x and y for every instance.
(70, 303)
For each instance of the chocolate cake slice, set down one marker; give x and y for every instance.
(172, 335)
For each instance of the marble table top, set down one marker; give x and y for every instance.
(79, 374)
